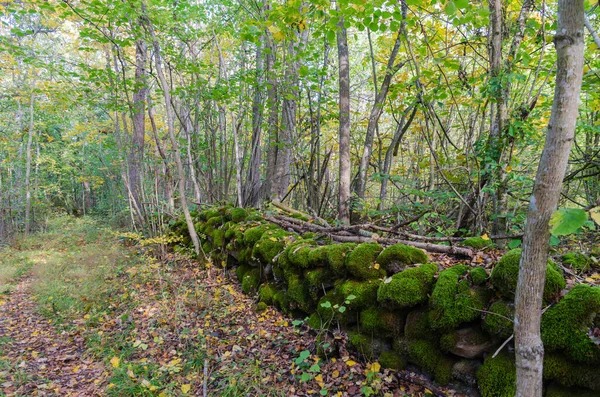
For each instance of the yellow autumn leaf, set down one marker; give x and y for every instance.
(350, 363)
(319, 378)
(115, 361)
(335, 373)
(595, 276)
(595, 214)
(508, 168)
(186, 388)
(375, 367)
(485, 236)
(377, 266)
(272, 238)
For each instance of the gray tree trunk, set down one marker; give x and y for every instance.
(344, 132)
(569, 44)
(136, 156)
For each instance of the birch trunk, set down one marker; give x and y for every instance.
(546, 193)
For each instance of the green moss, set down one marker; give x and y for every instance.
(336, 257)
(478, 243)
(238, 215)
(566, 325)
(271, 244)
(568, 373)
(254, 218)
(556, 390)
(396, 257)
(252, 235)
(328, 309)
(218, 238)
(266, 293)
(314, 321)
(251, 281)
(298, 252)
(364, 293)
(261, 307)
(392, 323)
(498, 319)
(281, 301)
(318, 256)
(299, 295)
(318, 280)
(364, 344)
(478, 275)
(454, 301)
(577, 261)
(207, 247)
(409, 287)
(497, 376)
(426, 355)
(418, 326)
(370, 320)
(506, 273)
(392, 360)
(361, 262)
(309, 235)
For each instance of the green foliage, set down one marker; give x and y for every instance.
(498, 376)
(361, 262)
(409, 287)
(566, 221)
(478, 243)
(400, 256)
(498, 319)
(506, 273)
(454, 301)
(566, 326)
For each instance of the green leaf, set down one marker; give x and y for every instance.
(450, 8)
(460, 4)
(315, 368)
(566, 220)
(326, 305)
(515, 243)
(554, 241)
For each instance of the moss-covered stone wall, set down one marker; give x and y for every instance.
(399, 308)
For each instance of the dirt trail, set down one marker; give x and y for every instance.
(35, 359)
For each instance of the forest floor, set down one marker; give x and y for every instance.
(83, 315)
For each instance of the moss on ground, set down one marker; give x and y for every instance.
(454, 301)
(506, 273)
(392, 360)
(497, 376)
(398, 256)
(478, 275)
(361, 262)
(566, 326)
(270, 244)
(577, 261)
(238, 215)
(478, 243)
(427, 356)
(409, 287)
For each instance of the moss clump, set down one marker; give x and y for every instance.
(317, 280)
(568, 373)
(328, 309)
(454, 301)
(392, 360)
(266, 293)
(318, 256)
(566, 326)
(577, 261)
(426, 355)
(298, 252)
(207, 247)
(218, 238)
(365, 345)
(252, 235)
(235, 233)
(281, 301)
(556, 390)
(497, 376)
(299, 295)
(261, 307)
(506, 273)
(364, 293)
(251, 281)
(245, 255)
(270, 244)
(336, 257)
(478, 243)
(396, 257)
(314, 321)
(418, 326)
(409, 287)
(478, 275)
(238, 215)
(361, 262)
(241, 270)
(370, 320)
(498, 319)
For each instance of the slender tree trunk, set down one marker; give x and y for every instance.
(28, 166)
(344, 131)
(273, 118)
(136, 156)
(171, 130)
(569, 44)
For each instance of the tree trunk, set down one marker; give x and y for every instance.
(136, 155)
(569, 44)
(28, 167)
(344, 132)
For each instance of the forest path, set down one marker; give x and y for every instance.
(38, 360)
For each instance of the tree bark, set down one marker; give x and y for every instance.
(569, 44)
(344, 131)
(136, 156)
(28, 166)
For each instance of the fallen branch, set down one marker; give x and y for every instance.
(441, 249)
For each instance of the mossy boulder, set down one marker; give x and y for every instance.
(237, 215)
(363, 293)
(557, 390)
(261, 307)
(506, 274)
(427, 356)
(468, 342)
(315, 321)
(478, 243)
(370, 320)
(241, 270)
(266, 293)
(557, 367)
(497, 377)
(398, 256)
(367, 345)
(567, 326)
(281, 301)
(454, 300)
(270, 244)
(317, 257)
(318, 281)
(361, 262)
(253, 234)
(299, 295)
(418, 326)
(392, 360)
(577, 261)
(478, 275)
(408, 288)
(328, 310)
(498, 321)
(336, 257)
(298, 253)
(251, 281)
